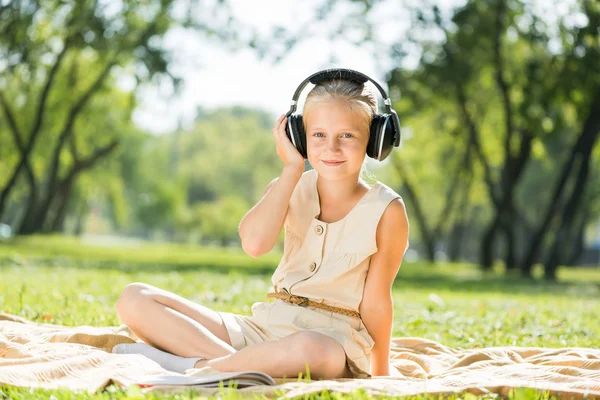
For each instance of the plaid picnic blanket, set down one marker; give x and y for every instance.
(79, 358)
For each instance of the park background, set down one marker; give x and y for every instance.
(134, 136)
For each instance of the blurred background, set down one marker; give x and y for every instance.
(124, 122)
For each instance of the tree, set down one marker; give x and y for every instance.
(501, 71)
(63, 60)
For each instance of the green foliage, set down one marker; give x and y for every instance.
(59, 89)
(229, 151)
(190, 186)
(463, 55)
(194, 185)
(224, 161)
(69, 78)
(157, 206)
(220, 219)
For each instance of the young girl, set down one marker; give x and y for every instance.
(344, 243)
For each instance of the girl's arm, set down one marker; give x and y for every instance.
(261, 226)
(376, 308)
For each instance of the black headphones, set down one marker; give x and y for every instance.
(384, 130)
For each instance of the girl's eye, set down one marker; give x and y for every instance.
(347, 135)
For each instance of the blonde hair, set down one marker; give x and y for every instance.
(357, 96)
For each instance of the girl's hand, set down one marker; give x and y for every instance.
(285, 149)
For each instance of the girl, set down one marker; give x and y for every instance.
(344, 243)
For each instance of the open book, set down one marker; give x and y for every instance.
(241, 379)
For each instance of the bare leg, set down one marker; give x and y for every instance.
(176, 325)
(172, 323)
(288, 357)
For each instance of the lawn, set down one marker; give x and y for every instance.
(70, 282)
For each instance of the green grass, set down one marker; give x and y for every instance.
(455, 304)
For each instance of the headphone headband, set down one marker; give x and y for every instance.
(350, 75)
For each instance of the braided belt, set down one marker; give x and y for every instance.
(306, 302)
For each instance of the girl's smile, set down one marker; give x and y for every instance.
(332, 163)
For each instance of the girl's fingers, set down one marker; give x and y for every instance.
(279, 129)
(278, 122)
(282, 130)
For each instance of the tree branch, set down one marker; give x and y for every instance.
(88, 162)
(12, 123)
(74, 112)
(444, 216)
(473, 131)
(504, 90)
(27, 148)
(426, 234)
(474, 134)
(37, 125)
(23, 161)
(524, 153)
(585, 142)
(73, 148)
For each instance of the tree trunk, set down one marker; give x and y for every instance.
(41, 213)
(509, 238)
(426, 236)
(11, 183)
(39, 216)
(585, 142)
(579, 242)
(37, 222)
(27, 148)
(486, 257)
(61, 211)
(455, 241)
(509, 229)
(557, 253)
(457, 237)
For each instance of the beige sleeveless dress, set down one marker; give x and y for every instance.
(326, 262)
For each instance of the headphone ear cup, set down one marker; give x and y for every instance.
(374, 136)
(301, 137)
(295, 132)
(381, 137)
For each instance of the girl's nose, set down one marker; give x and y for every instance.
(333, 144)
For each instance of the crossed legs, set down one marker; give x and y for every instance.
(176, 325)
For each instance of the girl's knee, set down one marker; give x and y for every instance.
(130, 299)
(321, 352)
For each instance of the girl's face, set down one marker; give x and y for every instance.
(336, 140)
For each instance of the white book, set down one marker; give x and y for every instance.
(242, 379)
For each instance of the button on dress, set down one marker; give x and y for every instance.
(326, 262)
